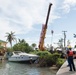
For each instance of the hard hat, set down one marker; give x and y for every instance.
(69, 47)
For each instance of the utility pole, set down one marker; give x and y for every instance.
(52, 36)
(64, 49)
(64, 38)
(52, 39)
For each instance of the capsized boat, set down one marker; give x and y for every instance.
(22, 56)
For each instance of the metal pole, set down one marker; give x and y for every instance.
(64, 41)
(52, 39)
(64, 38)
(52, 36)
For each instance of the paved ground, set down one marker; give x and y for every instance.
(64, 70)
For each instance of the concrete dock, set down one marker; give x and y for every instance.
(64, 70)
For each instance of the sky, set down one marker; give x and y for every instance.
(26, 17)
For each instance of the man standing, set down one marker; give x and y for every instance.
(70, 55)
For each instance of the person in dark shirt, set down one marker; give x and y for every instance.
(70, 55)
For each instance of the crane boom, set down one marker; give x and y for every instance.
(44, 28)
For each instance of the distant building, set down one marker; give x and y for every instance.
(2, 47)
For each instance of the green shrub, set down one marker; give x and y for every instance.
(59, 62)
(43, 53)
(55, 57)
(48, 59)
(9, 49)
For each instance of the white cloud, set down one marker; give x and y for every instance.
(73, 43)
(70, 2)
(55, 35)
(24, 12)
(19, 16)
(67, 4)
(66, 8)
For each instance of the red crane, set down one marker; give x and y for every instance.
(43, 32)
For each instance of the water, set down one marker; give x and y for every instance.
(12, 68)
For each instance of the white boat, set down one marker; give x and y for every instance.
(22, 56)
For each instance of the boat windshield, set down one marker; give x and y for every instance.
(17, 52)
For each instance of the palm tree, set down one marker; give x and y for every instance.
(10, 37)
(22, 41)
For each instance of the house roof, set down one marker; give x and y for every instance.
(3, 41)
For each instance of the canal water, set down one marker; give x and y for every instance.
(12, 68)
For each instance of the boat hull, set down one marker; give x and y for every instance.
(22, 56)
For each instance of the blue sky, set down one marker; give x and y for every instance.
(25, 18)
